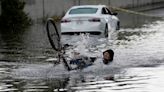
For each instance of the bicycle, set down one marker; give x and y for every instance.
(54, 38)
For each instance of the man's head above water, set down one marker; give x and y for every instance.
(108, 56)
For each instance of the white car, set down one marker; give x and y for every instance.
(95, 19)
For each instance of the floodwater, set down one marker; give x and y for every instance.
(27, 60)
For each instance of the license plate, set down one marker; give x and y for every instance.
(79, 22)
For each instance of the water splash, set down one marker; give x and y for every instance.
(83, 44)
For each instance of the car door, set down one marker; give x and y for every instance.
(110, 19)
(113, 19)
(107, 17)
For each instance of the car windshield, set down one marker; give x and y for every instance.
(83, 11)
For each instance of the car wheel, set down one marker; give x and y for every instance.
(118, 26)
(106, 31)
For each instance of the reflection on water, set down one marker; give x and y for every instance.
(27, 61)
(32, 43)
(133, 80)
(131, 20)
(128, 80)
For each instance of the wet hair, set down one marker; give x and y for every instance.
(111, 53)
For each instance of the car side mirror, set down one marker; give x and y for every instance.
(115, 13)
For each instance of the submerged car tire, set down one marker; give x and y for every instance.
(106, 31)
(118, 26)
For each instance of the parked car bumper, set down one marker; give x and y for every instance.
(87, 28)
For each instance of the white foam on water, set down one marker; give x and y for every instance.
(143, 49)
(138, 53)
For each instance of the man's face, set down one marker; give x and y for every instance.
(106, 56)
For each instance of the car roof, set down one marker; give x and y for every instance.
(93, 6)
(88, 6)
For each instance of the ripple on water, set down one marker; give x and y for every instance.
(136, 53)
(134, 80)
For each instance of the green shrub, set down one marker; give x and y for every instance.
(12, 17)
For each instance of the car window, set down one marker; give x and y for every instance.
(83, 11)
(108, 11)
(105, 11)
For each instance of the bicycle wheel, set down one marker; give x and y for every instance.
(53, 34)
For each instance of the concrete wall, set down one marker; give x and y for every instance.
(133, 3)
(46, 8)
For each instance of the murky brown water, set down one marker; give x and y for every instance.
(26, 64)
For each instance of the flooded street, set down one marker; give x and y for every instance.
(27, 61)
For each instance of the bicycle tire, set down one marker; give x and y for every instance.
(53, 34)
